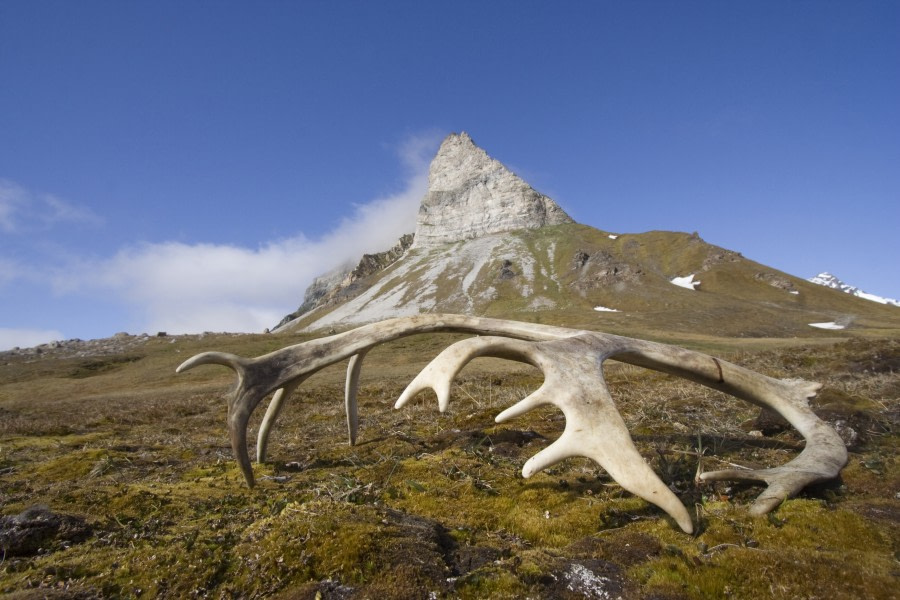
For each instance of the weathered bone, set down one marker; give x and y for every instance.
(594, 427)
(571, 361)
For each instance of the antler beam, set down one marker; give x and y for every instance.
(571, 361)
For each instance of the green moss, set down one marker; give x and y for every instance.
(805, 548)
(435, 503)
(492, 582)
(74, 465)
(316, 540)
(840, 402)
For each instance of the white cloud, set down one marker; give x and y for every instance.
(416, 151)
(23, 211)
(189, 288)
(26, 338)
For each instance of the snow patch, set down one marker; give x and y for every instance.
(478, 253)
(879, 299)
(613, 236)
(686, 282)
(551, 257)
(829, 325)
(794, 292)
(604, 309)
(829, 280)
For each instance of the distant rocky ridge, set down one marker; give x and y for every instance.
(120, 343)
(829, 280)
(77, 348)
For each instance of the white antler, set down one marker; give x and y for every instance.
(573, 380)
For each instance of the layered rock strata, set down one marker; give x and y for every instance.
(471, 195)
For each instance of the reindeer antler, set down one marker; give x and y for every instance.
(571, 362)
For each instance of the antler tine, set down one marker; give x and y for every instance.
(240, 404)
(232, 361)
(276, 405)
(441, 371)
(351, 388)
(825, 453)
(570, 360)
(281, 396)
(288, 366)
(593, 429)
(822, 459)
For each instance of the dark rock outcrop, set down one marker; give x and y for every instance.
(37, 529)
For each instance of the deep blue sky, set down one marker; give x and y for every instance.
(191, 165)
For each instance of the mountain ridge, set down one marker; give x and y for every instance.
(831, 281)
(540, 265)
(561, 274)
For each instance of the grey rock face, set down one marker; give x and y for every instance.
(602, 269)
(471, 195)
(342, 283)
(372, 263)
(776, 281)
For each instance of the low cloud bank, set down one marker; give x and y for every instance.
(191, 288)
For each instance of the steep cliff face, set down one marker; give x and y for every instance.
(471, 195)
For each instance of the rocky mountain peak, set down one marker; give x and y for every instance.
(471, 195)
(831, 281)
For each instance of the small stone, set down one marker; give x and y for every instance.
(37, 529)
(847, 433)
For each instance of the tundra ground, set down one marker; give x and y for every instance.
(116, 480)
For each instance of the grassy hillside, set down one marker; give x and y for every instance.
(559, 274)
(137, 495)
